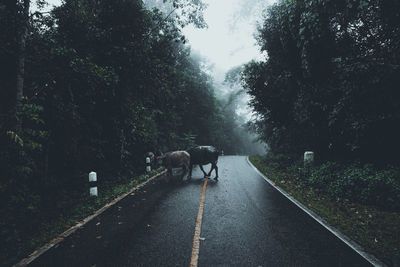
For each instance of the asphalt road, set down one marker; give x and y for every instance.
(245, 222)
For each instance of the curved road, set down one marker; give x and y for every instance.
(245, 222)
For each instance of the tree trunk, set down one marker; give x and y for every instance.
(21, 42)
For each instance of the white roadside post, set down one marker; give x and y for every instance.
(308, 162)
(308, 158)
(93, 184)
(148, 167)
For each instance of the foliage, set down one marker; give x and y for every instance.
(370, 226)
(236, 131)
(359, 183)
(329, 82)
(105, 82)
(364, 184)
(183, 12)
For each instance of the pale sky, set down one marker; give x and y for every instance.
(229, 39)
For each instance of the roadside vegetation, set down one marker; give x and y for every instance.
(330, 80)
(329, 84)
(73, 210)
(350, 198)
(92, 86)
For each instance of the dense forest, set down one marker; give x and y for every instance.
(330, 81)
(93, 85)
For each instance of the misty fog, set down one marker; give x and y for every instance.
(222, 49)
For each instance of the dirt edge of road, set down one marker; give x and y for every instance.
(81, 223)
(356, 247)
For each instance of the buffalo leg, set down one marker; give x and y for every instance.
(201, 168)
(190, 171)
(186, 171)
(214, 167)
(169, 174)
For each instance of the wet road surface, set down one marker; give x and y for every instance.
(245, 222)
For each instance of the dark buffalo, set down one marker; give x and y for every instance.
(203, 155)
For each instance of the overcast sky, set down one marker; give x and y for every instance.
(229, 39)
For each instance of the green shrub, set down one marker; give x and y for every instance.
(323, 175)
(364, 185)
(280, 160)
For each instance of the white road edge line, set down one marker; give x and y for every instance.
(34, 255)
(356, 247)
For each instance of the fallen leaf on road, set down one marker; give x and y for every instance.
(99, 237)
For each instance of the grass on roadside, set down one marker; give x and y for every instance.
(376, 230)
(84, 207)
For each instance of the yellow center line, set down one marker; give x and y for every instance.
(196, 239)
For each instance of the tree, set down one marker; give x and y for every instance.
(103, 82)
(22, 32)
(329, 81)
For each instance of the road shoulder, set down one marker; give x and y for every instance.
(54, 242)
(349, 242)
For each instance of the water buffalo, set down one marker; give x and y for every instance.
(176, 159)
(203, 155)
